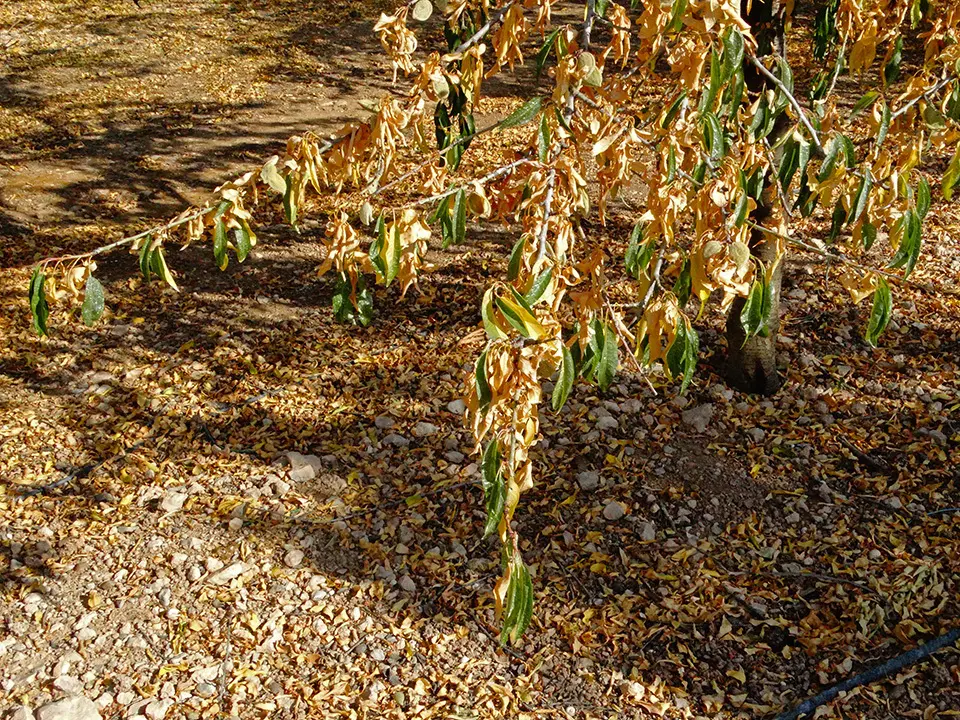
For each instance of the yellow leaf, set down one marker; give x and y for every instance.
(737, 675)
(725, 628)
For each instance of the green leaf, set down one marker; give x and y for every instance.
(568, 372)
(459, 231)
(92, 307)
(869, 234)
(880, 314)
(486, 312)
(713, 136)
(673, 110)
(677, 352)
(732, 53)
(344, 309)
(290, 201)
(516, 258)
(609, 358)
(539, 287)
(243, 238)
(908, 252)
(924, 197)
(683, 285)
(632, 257)
(676, 16)
(849, 152)
(518, 608)
(376, 247)
(39, 309)
(158, 263)
(864, 102)
(891, 70)
(952, 176)
(513, 317)
(692, 352)
(220, 244)
(825, 27)
(484, 395)
(543, 140)
(145, 257)
(859, 203)
(751, 317)
(831, 152)
(836, 222)
(544, 51)
(885, 117)
(494, 491)
(523, 114)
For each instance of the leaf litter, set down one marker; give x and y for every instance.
(766, 548)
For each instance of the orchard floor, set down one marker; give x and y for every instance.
(768, 547)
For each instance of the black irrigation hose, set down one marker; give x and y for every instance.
(873, 675)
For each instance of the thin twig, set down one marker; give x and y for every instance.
(922, 96)
(484, 29)
(547, 204)
(503, 170)
(793, 101)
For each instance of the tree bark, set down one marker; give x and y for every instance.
(752, 363)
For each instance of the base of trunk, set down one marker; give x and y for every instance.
(751, 366)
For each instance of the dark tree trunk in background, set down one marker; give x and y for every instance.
(752, 365)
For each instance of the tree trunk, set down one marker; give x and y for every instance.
(752, 364)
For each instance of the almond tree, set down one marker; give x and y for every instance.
(734, 162)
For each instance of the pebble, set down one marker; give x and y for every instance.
(303, 467)
(396, 440)
(793, 518)
(588, 480)
(173, 502)
(457, 407)
(875, 554)
(384, 422)
(406, 583)
(69, 684)
(205, 690)
(424, 429)
(194, 573)
(757, 434)
(613, 511)
(607, 422)
(20, 712)
(699, 416)
(72, 708)
(235, 524)
(455, 457)
(228, 573)
(647, 530)
(293, 558)
(893, 503)
(157, 709)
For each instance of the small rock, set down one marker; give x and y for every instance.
(647, 530)
(378, 655)
(455, 457)
(396, 440)
(157, 709)
(293, 558)
(72, 708)
(607, 422)
(194, 573)
(303, 467)
(424, 429)
(699, 416)
(457, 407)
(20, 712)
(757, 434)
(613, 511)
(793, 518)
(213, 564)
(173, 502)
(384, 422)
(235, 524)
(893, 503)
(631, 406)
(588, 480)
(406, 583)
(205, 690)
(228, 573)
(874, 554)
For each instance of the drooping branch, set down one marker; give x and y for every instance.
(793, 101)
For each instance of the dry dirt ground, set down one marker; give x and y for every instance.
(188, 566)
